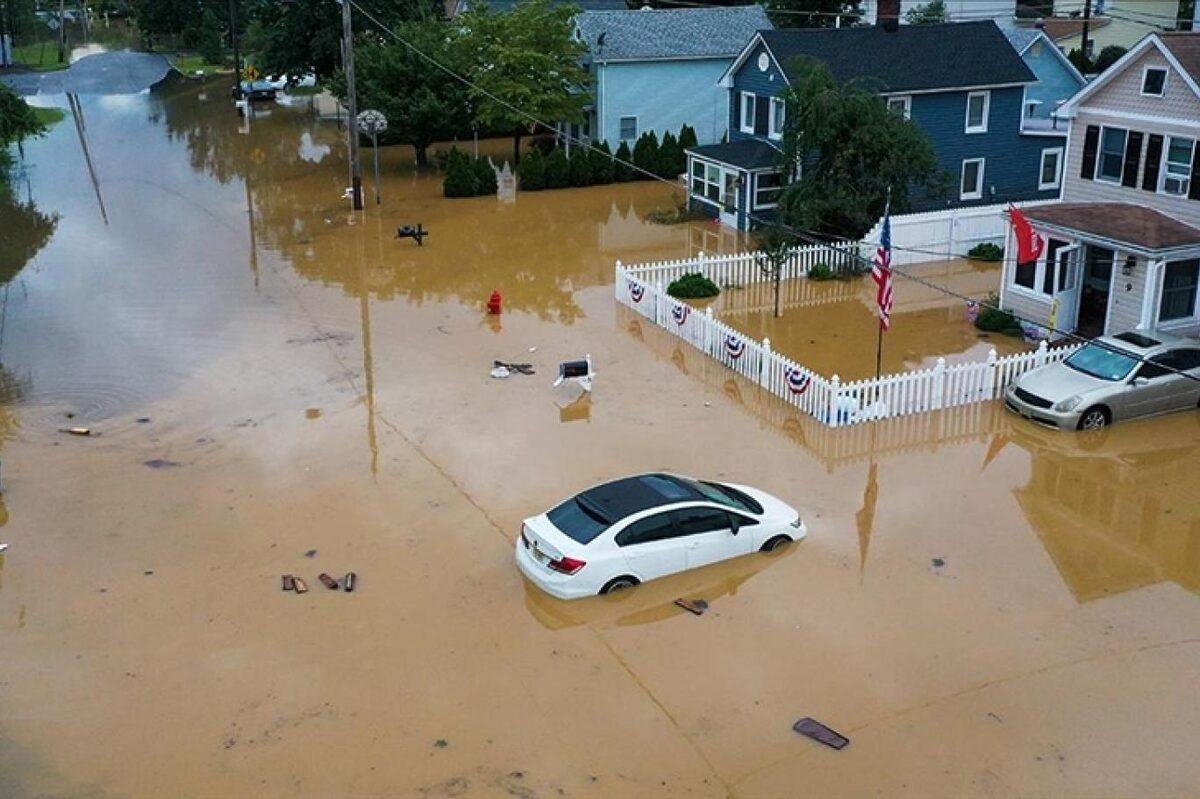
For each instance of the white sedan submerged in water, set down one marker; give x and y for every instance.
(635, 529)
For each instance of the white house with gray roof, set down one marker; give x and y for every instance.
(658, 70)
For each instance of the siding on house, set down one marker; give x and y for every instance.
(749, 78)
(1012, 160)
(1124, 92)
(1056, 83)
(663, 95)
(1128, 21)
(1077, 189)
(1127, 293)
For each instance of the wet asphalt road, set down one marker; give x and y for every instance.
(120, 72)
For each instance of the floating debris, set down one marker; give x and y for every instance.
(697, 606)
(811, 728)
(328, 581)
(77, 431)
(160, 463)
(289, 582)
(300, 586)
(349, 581)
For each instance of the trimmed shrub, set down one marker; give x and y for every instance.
(579, 170)
(986, 252)
(621, 170)
(532, 171)
(460, 176)
(670, 157)
(558, 171)
(485, 177)
(692, 285)
(602, 163)
(991, 318)
(821, 272)
(645, 155)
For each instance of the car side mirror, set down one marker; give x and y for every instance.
(1139, 381)
(734, 524)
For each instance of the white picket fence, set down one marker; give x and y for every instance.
(642, 288)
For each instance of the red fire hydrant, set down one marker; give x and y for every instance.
(493, 303)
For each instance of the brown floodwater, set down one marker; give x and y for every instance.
(277, 386)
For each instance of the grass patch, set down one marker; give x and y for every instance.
(193, 64)
(39, 56)
(49, 116)
(304, 91)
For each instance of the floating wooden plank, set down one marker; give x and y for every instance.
(811, 728)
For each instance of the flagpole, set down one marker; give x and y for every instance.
(879, 350)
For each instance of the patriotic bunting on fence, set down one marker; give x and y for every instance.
(734, 346)
(680, 314)
(636, 290)
(797, 380)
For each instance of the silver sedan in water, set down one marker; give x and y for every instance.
(1109, 379)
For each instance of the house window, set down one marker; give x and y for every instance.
(706, 181)
(1179, 290)
(1177, 174)
(629, 128)
(1026, 275)
(1050, 264)
(901, 106)
(1051, 171)
(971, 185)
(747, 125)
(1154, 81)
(767, 186)
(977, 111)
(776, 129)
(1112, 154)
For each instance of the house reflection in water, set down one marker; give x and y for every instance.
(1122, 515)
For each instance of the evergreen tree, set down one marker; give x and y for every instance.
(580, 171)
(532, 171)
(687, 138)
(645, 155)
(602, 163)
(558, 171)
(670, 157)
(210, 37)
(460, 177)
(485, 176)
(621, 170)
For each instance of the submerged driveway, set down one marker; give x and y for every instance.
(122, 72)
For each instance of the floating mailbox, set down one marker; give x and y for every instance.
(579, 371)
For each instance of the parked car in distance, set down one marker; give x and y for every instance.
(1110, 379)
(639, 528)
(255, 91)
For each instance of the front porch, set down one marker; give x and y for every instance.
(736, 183)
(1105, 268)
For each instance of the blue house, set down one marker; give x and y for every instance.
(659, 70)
(1057, 80)
(962, 83)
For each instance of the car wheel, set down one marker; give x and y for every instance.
(619, 584)
(775, 543)
(1095, 418)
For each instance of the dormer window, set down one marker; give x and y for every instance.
(1154, 81)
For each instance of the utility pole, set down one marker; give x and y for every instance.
(1083, 44)
(352, 106)
(237, 56)
(62, 31)
(4, 56)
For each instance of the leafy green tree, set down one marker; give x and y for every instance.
(303, 36)
(928, 14)
(602, 163)
(580, 171)
(210, 45)
(670, 157)
(532, 171)
(1109, 56)
(622, 172)
(558, 170)
(853, 150)
(17, 120)
(645, 155)
(423, 104)
(525, 59)
(812, 13)
(460, 175)
(1081, 61)
(485, 176)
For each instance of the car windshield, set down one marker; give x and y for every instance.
(1106, 363)
(725, 495)
(576, 520)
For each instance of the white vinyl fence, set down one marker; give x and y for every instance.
(642, 288)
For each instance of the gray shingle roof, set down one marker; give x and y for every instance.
(1018, 37)
(665, 34)
(913, 58)
(744, 153)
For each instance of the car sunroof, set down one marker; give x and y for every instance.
(1137, 340)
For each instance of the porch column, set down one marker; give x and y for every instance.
(1150, 294)
(1009, 264)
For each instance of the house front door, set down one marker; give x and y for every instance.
(1065, 311)
(729, 208)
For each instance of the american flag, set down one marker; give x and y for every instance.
(882, 272)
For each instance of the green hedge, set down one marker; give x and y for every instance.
(693, 285)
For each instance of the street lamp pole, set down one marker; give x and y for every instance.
(352, 106)
(237, 56)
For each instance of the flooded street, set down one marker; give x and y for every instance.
(275, 385)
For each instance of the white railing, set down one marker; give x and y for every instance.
(827, 400)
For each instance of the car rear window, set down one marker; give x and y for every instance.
(577, 521)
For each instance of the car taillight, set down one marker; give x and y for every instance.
(567, 565)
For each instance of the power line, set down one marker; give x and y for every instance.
(803, 235)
